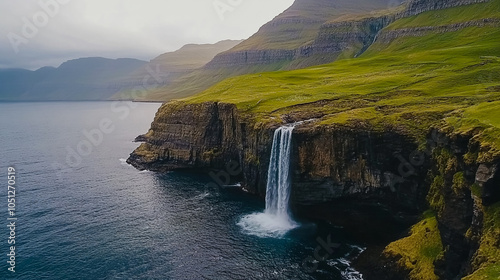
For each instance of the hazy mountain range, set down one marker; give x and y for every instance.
(97, 78)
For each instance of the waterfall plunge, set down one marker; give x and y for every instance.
(278, 180)
(276, 220)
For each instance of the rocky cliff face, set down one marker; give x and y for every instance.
(250, 57)
(205, 136)
(332, 39)
(331, 162)
(462, 195)
(351, 36)
(190, 136)
(416, 7)
(461, 187)
(336, 163)
(389, 35)
(339, 162)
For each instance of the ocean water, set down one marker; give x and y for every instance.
(83, 213)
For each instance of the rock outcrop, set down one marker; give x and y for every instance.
(190, 136)
(389, 35)
(331, 162)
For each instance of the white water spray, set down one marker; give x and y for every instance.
(276, 220)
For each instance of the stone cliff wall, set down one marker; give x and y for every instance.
(389, 35)
(190, 136)
(332, 40)
(339, 162)
(330, 163)
(205, 136)
(250, 57)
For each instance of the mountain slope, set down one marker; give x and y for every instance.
(283, 43)
(300, 23)
(170, 66)
(193, 56)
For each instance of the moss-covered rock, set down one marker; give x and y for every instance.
(417, 253)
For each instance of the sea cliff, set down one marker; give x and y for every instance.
(408, 129)
(356, 163)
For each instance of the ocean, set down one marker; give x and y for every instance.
(81, 212)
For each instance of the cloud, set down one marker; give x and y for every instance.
(67, 29)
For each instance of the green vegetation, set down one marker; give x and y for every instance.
(435, 196)
(183, 86)
(459, 183)
(417, 252)
(484, 117)
(487, 258)
(451, 80)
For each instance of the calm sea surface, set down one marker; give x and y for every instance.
(83, 213)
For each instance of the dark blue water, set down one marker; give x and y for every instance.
(85, 214)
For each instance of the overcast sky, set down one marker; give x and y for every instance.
(36, 33)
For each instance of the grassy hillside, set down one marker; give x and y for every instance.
(421, 249)
(297, 27)
(416, 80)
(201, 79)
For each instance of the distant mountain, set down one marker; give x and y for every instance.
(92, 78)
(167, 67)
(193, 56)
(103, 79)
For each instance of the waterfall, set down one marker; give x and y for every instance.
(275, 221)
(278, 177)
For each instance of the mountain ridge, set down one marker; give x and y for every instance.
(98, 78)
(93, 78)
